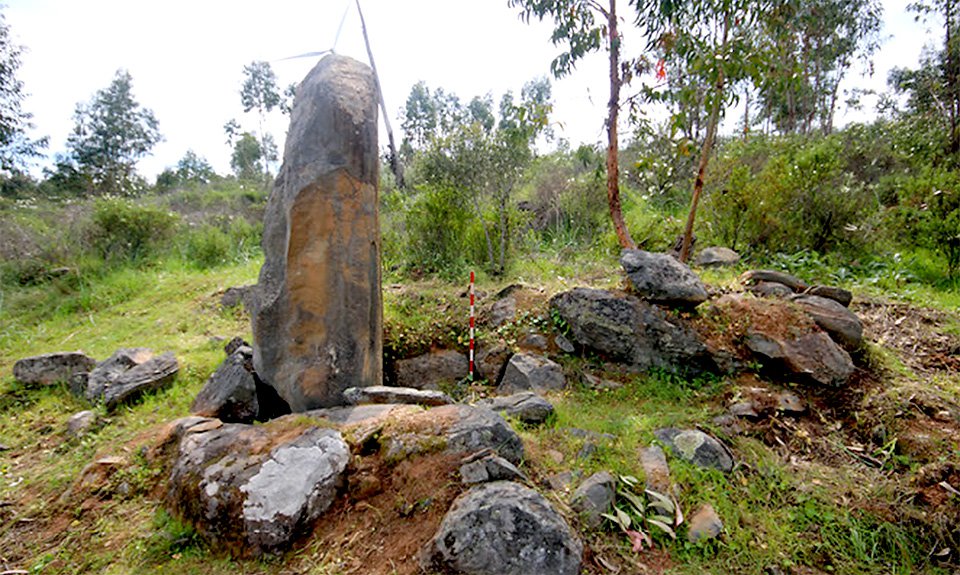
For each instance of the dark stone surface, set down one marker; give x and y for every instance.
(50, 368)
(317, 322)
(154, 374)
(429, 370)
(111, 369)
(839, 295)
(503, 528)
(697, 447)
(230, 393)
(387, 394)
(659, 278)
(595, 496)
(628, 330)
(526, 406)
(838, 321)
(717, 257)
(531, 372)
(756, 276)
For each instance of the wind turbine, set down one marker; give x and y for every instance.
(395, 165)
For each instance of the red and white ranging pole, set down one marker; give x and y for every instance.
(472, 325)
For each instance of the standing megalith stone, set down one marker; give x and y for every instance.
(318, 314)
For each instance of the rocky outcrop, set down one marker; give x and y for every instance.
(503, 528)
(697, 448)
(430, 370)
(531, 372)
(253, 489)
(625, 329)
(317, 325)
(230, 393)
(659, 278)
(526, 406)
(50, 368)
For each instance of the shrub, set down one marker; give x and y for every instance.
(929, 213)
(435, 224)
(122, 230)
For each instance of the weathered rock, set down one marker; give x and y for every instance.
(526, 406)
(485, 467)
(812, 356)
(535, 342)
(755, 276)
(503, 528)
(81, 423)
(234, 296)
(230, 393)
(386, 394)
(560, 481)
(839, 295)
(50, 368)
(317, 325)
(563, 344)
(656, 472)
(717, 257)
(154, 374)
(595, 382)
(790, 403)
(450, 429)
(704, 524)
(234, 344)
(430, 370)
(839, 322)
(254, 489)
(490, 360)
(109, 370)
(659, 278)
(743, 409)
(626, 329)
(697, 448)
(771, 289)
(502, 311)
(527, 371)
(594, 496)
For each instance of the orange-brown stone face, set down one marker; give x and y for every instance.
(318, 322)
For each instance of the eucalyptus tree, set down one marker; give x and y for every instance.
(260, 92)
(111, 133)
(15, 147)
(582, 27)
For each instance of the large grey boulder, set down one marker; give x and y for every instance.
(531, 372)
(626, 329)
(526, 406)
(660, 278)
(697, 448)
(230, 393)
(430, 370)
(254, 489)
(503, 528)
(837, 320)
(595, 495)
(317, 322)
(50, 368)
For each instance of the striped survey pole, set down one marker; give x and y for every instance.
(472, 325)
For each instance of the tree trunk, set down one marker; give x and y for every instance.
(705, 152)
(395, 166)
(613, 110)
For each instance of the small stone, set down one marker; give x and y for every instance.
(717, 257)
(502, 311)
(397, 395)
(697, 448)
(563, 344)
(728, 424)
(839, 295)
(555, 456)
(237, 295)
(560, 481)
(81, 423)
(771, 290)
(534, 341)
(756, 276)
(588, 450)
(489, 467)
(526, 406)
(656, 472)
(790, 403)
(705, 524)
(234, 344)
(595, 382)
(364, 486)
(594, 496)
(744, 409)
(526, 372)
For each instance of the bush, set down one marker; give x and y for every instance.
(435, 224)
(928, 214)
(123, 231)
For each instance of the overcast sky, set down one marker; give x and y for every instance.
(187, 59)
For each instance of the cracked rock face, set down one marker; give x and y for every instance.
(255, 488)
(503, 528)
(317, 322)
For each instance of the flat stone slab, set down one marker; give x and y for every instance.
(51, 368)
(756, 276)
(397, 395)
(526, 406)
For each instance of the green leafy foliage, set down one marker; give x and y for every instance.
(124, 231)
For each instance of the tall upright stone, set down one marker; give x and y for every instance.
(317, 321)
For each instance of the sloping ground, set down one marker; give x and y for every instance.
(859, 483)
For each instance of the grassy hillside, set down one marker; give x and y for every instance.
(847, 488)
